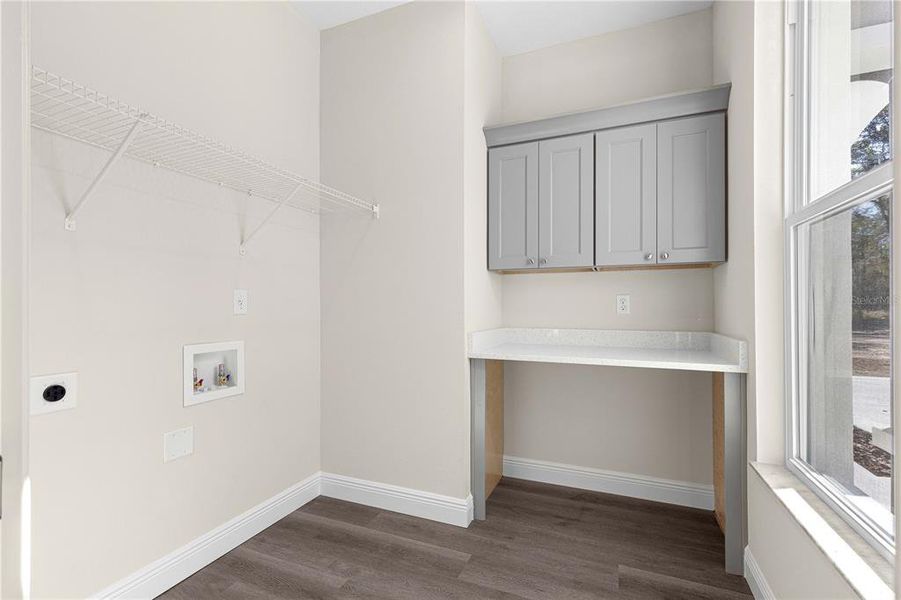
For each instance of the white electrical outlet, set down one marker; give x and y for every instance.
(51, 393)
(623, 302)
(240, 302)
(178, 443)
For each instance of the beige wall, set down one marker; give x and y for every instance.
(748, 288)
(394, 399)
(769, 209)
(481, 105)
(734, 281)
(650, 422)
(621, 66)
(659, 58)
(151, 268)
(14, 219)
(794, 567)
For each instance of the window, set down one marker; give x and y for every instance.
(838, 259)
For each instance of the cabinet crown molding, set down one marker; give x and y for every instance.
(670, 106)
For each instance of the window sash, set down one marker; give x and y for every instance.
(861, 190)
(801, 210)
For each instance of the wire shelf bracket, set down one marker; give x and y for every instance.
(69, 109)
(242, 250)
(70, 216)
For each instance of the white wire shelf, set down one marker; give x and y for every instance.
(66, 108)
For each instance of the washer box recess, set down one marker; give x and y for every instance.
(206, 358)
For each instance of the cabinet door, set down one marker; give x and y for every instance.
(513, 207)
(691, 190)
(566, 202)
(626, 196)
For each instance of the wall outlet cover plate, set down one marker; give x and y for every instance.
(178, 443)
(45, 395)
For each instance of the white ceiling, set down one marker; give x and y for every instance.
(518, 26)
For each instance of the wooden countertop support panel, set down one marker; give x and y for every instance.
(494, 424)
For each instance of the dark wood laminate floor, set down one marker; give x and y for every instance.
(539, 541)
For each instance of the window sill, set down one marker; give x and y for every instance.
(865, 570)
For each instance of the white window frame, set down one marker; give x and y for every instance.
(800, 210)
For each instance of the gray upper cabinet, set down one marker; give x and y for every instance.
(513, 207)
(633, 185)
(691, 190)
(566, 202)
(626, 196)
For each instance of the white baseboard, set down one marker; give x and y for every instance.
(159, 576)
(445, 509)
(756, 581)
(682, 493)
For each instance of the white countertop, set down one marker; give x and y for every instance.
(678, 350)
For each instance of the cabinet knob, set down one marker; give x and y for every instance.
(664, 255)
(542, 261)
(531, 261)
(649, 256)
